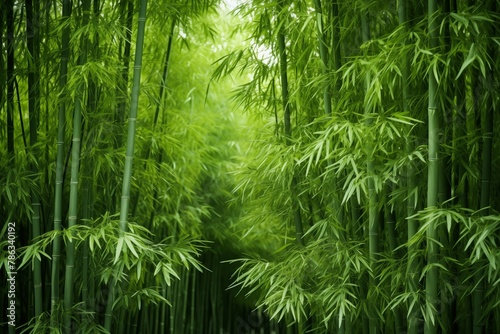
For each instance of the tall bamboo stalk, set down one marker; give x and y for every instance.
(163, 85)
(431, 283)
(129, 155)
(336, 56)
(412, 265)
(10, 45)
(127, 14)
(373, 214)
(61, 128)
(75, 170)
(2, 63)
(486, 170)
(34, 111)
(323, 52)
(283, 63)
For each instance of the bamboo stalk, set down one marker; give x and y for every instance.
(373, 214)
(75, 171)
(34, 111)
(286, 117)
(337, 60)
(129, 155)
(127, 13)
(61, 128)
(431, 283)
(2, 64)
(412, 265)
(485, 195)
(10, 45)
(323, 51)
(163, 85)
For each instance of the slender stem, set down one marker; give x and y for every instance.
(10, 44)
(373, 212)
(75, 170)
(129, 155)
(34, 111)
(485, 195)
(283, 63)
(61, 128)
(323, 52)
(431, 283)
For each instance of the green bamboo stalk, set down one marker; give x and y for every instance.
(75, 170)
(193, 303)
(431, 283)
(336, 56)
(323, 52)
(166, 65)
(85, 256)
(34, 111)
(284, 75)
(412, 265)
(2, 64)
(127, 13)
(171, 318)
(129, 155)
(10, 45)
(485, 195)
(286, 117)
(459, 151)
(390, 218)
(92, 99)
(163, 307)
(373, 214)
(61, 128)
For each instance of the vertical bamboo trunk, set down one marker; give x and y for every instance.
(286, 119)
(412, 265)
(129, 155)
(10, 45)
(390, 219)
(75, 171)
(336, 62)
(85, 254)
(87, 203)
(336, 56)
(132, 120)
(61, 128)
(431, 283)
(2, 64)
(163, 85)
(323, 52)
(34, 111)
(486, 164)
(373, 214)
(127, 13)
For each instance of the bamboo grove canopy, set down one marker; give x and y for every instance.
(258, 166)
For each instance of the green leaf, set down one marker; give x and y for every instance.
(470, 58)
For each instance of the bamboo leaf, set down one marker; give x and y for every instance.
(470, 58)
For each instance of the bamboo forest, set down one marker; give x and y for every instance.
(250, 166)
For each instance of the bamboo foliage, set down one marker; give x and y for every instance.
(398, 73)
